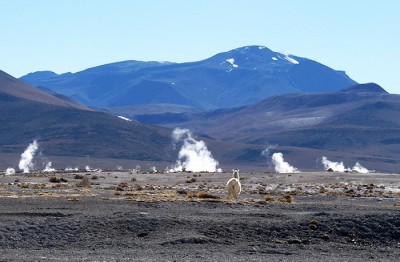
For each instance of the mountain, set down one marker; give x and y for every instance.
(71, 135)
(291, 111)
(68, 130)
(17, 88)
(359, 123)
(365, 88)
(239, 77)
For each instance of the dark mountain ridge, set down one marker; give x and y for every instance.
(68, 131)
(70, 136)
(17, 88)
(366, 88)
(295, 110)
(360, 123)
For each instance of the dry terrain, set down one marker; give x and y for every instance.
(128, 216)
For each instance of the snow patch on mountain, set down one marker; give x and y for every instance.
(124, 118)
(232, 62)
(289, 59)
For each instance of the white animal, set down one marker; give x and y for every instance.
(234, 186)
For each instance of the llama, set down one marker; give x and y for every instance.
(234, 186)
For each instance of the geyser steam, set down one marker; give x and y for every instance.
(360, 169)
(266, 151)
(10, 171)
(333, 166)
(26, 163)
(193, 155)
(48, 168)
(281, 166)
(339, 166)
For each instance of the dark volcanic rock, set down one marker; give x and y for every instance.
(111, 230)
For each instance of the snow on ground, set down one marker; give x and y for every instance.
(124, 118)
(289, 59)
(232, 62)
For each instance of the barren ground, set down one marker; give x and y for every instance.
(122, 216)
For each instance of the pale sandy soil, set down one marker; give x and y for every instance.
(122, 216)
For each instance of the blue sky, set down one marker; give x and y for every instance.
(361, 37)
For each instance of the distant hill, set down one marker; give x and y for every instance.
(70, 136)
(19, 89)
(357, 123)
(360, 123)
(365, 88)
(64, 128)
(239, 77)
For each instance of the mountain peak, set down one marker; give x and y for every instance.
(365, 88)
(252, 52)
(252, 49)
(255, 56)
(43, 74)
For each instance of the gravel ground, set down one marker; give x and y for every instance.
(120, 216)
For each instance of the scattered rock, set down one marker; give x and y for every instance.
(295, 241)
(181, 192)
(286, 199)
(268, 198)
(325, 237)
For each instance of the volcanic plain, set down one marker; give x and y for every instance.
(133, 216)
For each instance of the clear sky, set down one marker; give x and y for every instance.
(361, 37)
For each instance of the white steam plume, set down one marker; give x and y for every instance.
(70, 169)
(333, 166)
(10, 171)
(48, 168)
(360, 169)
(136, 170)
(26, 163)
(281, 166)
(339, 166)
(266, 151)
(193, 155)
(88, 169)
